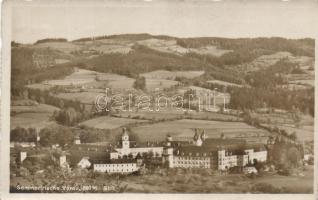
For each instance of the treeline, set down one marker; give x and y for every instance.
(141, 59)
(48, 136)
(286, 155)
(131, 37)
(253, 98)
(20, 134)
(51, 40)
(69, 116)
(19, 78)
(214, 67)
(72, 111)
(299, 47)
(65, 136)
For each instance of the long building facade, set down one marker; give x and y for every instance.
(216, 154)
(124, 167)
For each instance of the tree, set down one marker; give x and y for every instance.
(140, 83)
(293, 156)
(293, 136)
(68, 116)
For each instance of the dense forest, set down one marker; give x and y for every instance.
(141, 59)
(131, 37)
(51, 40)
(24, 70)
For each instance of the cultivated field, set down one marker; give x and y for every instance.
(152, 84)
(168, 114)
(83, 97)
(204, 95)
(184, 128)
(171, 46)
(31, 116)
(265, 61)
(212, 50)
(83, 76)
(106, 122)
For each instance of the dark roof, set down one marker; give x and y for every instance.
(95, 152)
(227, 144)
(91, 147)
(193, 151)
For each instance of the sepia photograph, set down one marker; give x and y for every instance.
(156, 96)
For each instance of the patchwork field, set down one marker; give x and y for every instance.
(265, 61)
(106, 122)
(212, 50)
(152, 84)
(184, 128)
(83, 97)
(171, 46)
(32, 116)
(82, 76)
(167, 114)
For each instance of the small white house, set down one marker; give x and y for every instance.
(250, 170)
(307, 157)
(84, 163)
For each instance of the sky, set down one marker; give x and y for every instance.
(32, 21)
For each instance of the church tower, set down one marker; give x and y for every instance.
(197, 138)
(125, 139)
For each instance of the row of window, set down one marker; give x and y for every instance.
(114, 165)
(192, 158)
(118, 170)
(192, 162)
(193, 166)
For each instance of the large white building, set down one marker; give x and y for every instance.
(129, 150)
(122, 167)
(217, 154)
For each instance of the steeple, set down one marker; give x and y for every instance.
(203, 135)
(125, 139)
(197, 138)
